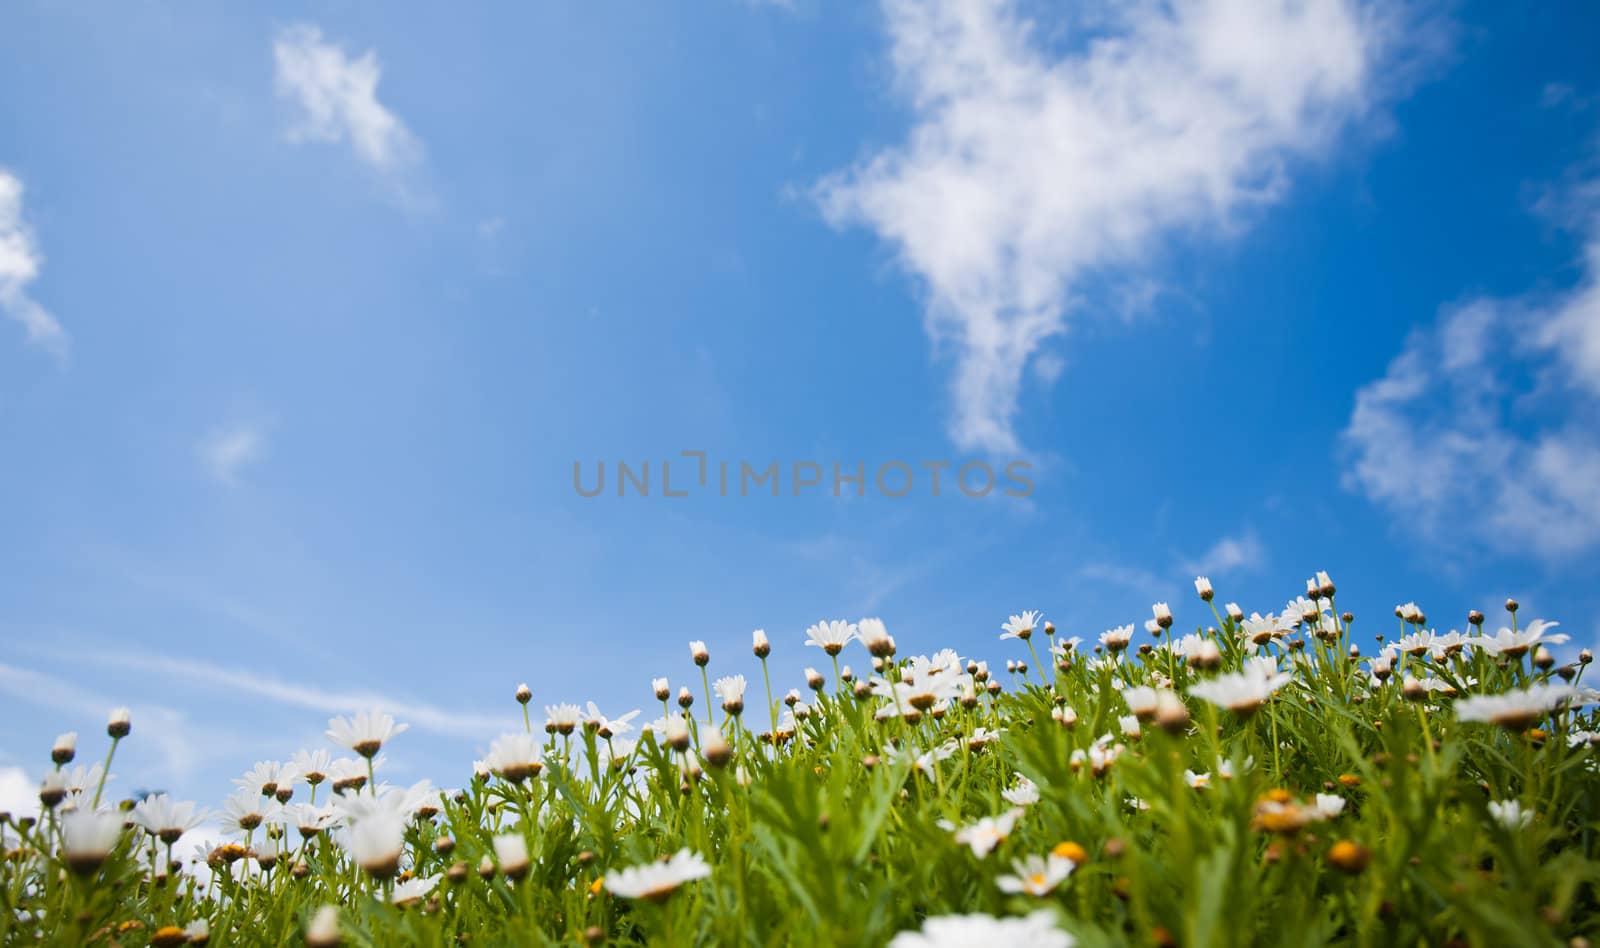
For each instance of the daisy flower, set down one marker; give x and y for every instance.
(562, 718)
(376, 841)
(1243, 692)
(309, 819)
(964, 931)
(88, 837)
(1020, 626)
(657, 880)
(875, 636)
(515, 757)
(1196, 781)
(365, 733)
(1115, 640)
(731, 690)
(1025, 793)
(244, 811)
(1036, 875)
(983, 836)
(165, 819)
(511, 852)
(1328, 806)
(413, 890)
(833, 636)
(1510, 814)
(1515, 644)
(608, 727)
(312, 766)
(1516, 710)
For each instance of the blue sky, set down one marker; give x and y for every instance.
(309, 315)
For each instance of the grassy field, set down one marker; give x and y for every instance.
(1255, 782)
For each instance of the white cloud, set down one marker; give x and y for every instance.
(225, 453)
(20, 261)
(1228, 555)
(1032, 175)
(1486, 426)
(19, 795)
(337, 99)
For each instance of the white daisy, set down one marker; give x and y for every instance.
(365, 733)
(1025, 793)
(1020, 626)
(1115, 640)
(165, 819)
(657, 880)
(244, 811)
(730, 689)
(413, 890)
(1517, 710)
(515, 757)
(562, 718)
(88, 837)
(608, 727)
(975, 931)
(983, 836)
(1036, 875)
(833, 636)
(1517, 644)
(1510, 814)
(376, 841)
(1243, 692)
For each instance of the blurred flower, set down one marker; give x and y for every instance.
(974, 931)
(983, 836)
(1036, 875)
(1510, 814)
(657, 880)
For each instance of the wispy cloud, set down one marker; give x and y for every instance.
(1227, 555)
(336, 99)
(183, 744)
(238, 681)
(20, 262)
(227, 452)
(1030, 176)
(1486, 426)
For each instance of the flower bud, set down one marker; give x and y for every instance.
(813, 679)
(697, 651)
(685, 698)
(759, 643)
(1542, 659)
(66, 748)
(119, 723)
(1163, 615)
(1511, 605)
(662, 688)
(1202, 586)
(524, 693)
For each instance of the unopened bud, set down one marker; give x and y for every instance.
(524, 693)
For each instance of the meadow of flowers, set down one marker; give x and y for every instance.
(1256, 781)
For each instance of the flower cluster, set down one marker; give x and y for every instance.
(1252, 768)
